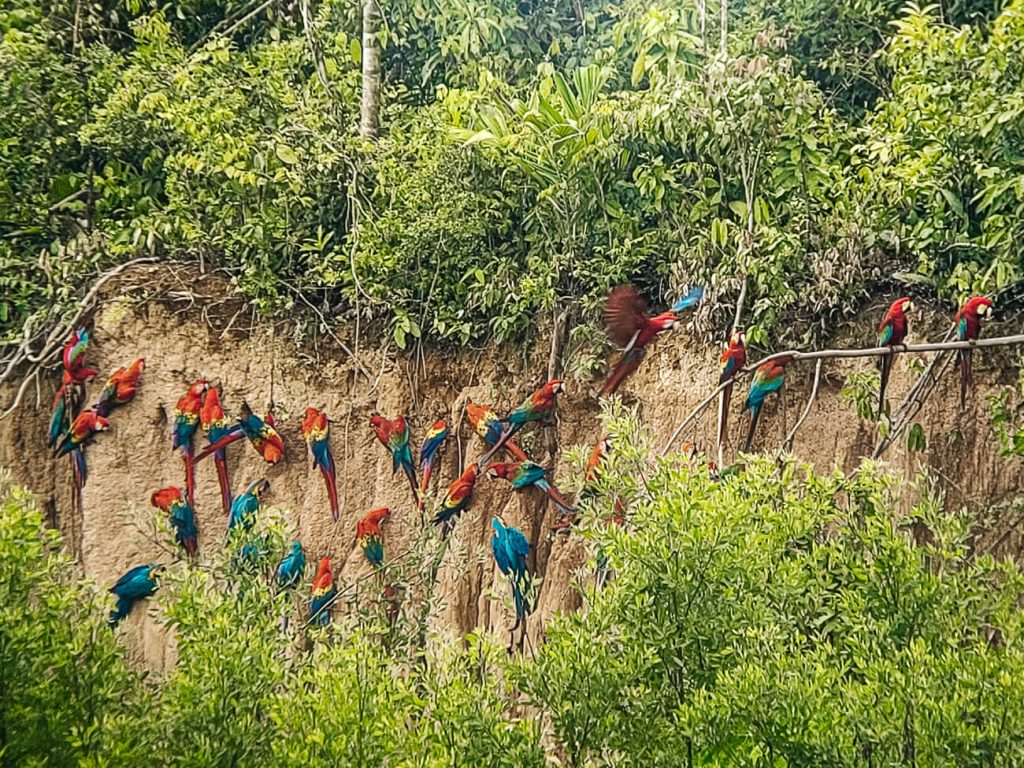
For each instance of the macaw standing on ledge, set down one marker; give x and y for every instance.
(510, 549)
(138, 583)
(539, 405)
(523, 474)
(370, 536)
(173, 503)
(733, 358)
(968, 328)
(457, 498)
(262, 435)
(216, 425)
(316, 429)
(83, 430)
(323, 593)
(291, 568)
(394, 435)
(246, 506)
(429, 450)
(485, 422)
(768, 378)
(69, 396)
(121, 387)
(183, 429)
(891, 333)
(74, 357)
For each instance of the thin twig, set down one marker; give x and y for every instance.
(788, 442)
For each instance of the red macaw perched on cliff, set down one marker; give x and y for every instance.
(121, 387)
(216, 425)
(485, 422)
(316, 429)
(732, 360)
(262, 435)
(183, 429)
(83, 429)
(539, 405)
(630, 327)
(370, 536)
(523, 474)
(457, 498)
(968, 328)
(891, 333)
(768, 378)
(323, 592)
(69, 396)
(173, 503)
(74, 357)
(429, 450)
(394, 435)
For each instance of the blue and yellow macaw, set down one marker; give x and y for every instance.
(510, 549)
(246, 506)
(291, 568)
(136, 584)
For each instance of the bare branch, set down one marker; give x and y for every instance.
(787, 444)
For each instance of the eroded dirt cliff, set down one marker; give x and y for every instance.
(183, 340)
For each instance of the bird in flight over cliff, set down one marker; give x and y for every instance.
(370, 536)
(632, 328)
(136, 584)
(524, 474)
(394, 435)
(510, 549)
(429, 451)
(768, 378)
(316, 429)
(216, 425)
(968, 328)
(173, 503)
(538, 406)
(323, 592)
(891, 333)
(183, 430)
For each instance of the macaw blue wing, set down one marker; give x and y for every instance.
(692, 297)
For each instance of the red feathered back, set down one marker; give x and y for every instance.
(625, 313)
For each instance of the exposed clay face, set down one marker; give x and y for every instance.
(135, 458)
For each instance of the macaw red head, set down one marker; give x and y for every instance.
(554, 387)
(737, 338)
(666, 321)
(100, 424)
(198, 389)
(380, 425)
(378, 515)
(500, 469)
(165, 497)
(979, 306)
(323, 569)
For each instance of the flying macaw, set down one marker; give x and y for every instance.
(630, 327)
(121, 387)
(537, 406)
(316, 429)
(262, 435)
(432, 443)
(767, 379)
(510, 550)
(291, 568)
(457, 498)
(216, 426)
(891, 333)
(74, 357)
(394, 435)
(83, 429)
(732, 360)
(323, 592)
(523, 474)
(183, 429)
(968, 328)
(246, 506)
(172, 502)
(485, 422)
(137, 583)
(369, 535)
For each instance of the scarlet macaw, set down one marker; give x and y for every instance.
(485, 422)
(216, 425)
(394, 435)
(457, 498)
(510, 549)
(523, 474)
(84, 428)
(891, 333)
(732, 360)
(173, 503)
(121, 387)
(370, 536)
(539, 405)
(262, 435)
(968, 328)
(323, 592)
(432, 443)
(137, 583)
(246, 506)
(630, 327)
(183, 429)
(767, 379)
(317, 430)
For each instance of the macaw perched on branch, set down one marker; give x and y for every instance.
(216, 426)
(539, 405)
(485, 422)
(74, 357)
(732, 360)
(523, 474)
(968, 328)
(632, 328)
(768, 378)
(121, 387)
(316, 429)
(891, 333)
(83, 430)
(370, 536)
(173, 503)
(394, 435)
(137, 583)
(510, 549)
(429, 450)
(246, 506)
(291, 568)
(183, 429)
(457, 498)
(323, 592)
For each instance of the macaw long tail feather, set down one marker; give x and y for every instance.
(428, 469)
(121, 610)
(886, 368)
(332, 490)
(410, 473)
(79, 468)
(234, 435)
(498, 445)
(723, 413)
(520, 603)
(628, 363)
(517, 453)
(190, 476)
(563, 506)
(965, 374)
(755, 411)
(221, 463)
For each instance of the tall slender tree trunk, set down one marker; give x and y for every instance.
(369, 118)
(725, 27)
